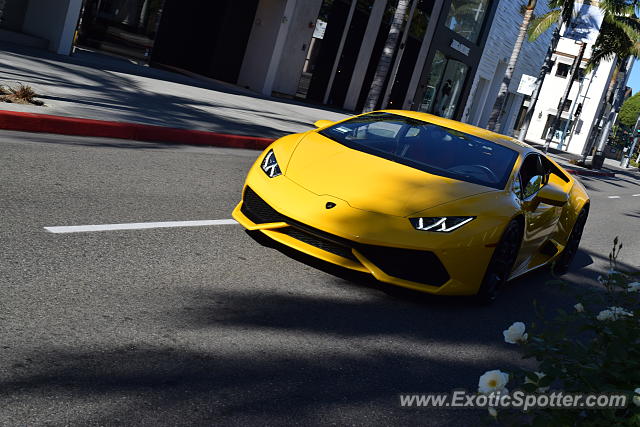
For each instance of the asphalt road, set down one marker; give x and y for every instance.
(201, 325)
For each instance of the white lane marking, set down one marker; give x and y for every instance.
(636, 195)
(137, 226)
(614, 197)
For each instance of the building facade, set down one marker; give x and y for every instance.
(46, 24)
(449, 59)
(493, 65)
(320, 51)
(590, 96)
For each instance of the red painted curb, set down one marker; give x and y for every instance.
(30, 122)
(589, 173)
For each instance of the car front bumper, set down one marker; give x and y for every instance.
(385, 246)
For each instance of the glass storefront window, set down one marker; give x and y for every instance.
(123, 27)
(437, 68)
(466, 18)
(559, 133)
(444, 86)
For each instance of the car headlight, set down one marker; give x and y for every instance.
(270, 165)
(443, 224)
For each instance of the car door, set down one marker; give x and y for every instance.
(541, 219)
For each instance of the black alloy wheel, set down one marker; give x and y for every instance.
(501, 263)
(563, 262)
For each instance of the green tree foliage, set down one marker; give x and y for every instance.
(630, 111)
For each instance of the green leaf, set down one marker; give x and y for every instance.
(541, 24)
(617, 7)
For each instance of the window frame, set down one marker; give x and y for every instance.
(544, 164)
(557, 74)
(545, 178)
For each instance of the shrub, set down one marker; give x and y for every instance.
(630, 111)
(593, 348)
(23, 94)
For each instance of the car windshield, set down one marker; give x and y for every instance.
(428, 147)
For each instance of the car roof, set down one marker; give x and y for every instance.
(500, 139)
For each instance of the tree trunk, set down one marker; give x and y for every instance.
(387, 54)
(496, 114)
(572, 75)
(618, 98)
(601, 113)
(396, 62)
(541, 76)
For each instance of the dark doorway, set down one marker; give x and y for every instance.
(208, 38)
(347, 62)
(123, 27)
(333, 14)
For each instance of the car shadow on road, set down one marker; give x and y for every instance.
(258, 356)
(172, 386)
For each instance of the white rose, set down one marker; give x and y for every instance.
(493, 381)
(579, 307)
(515, 333)
(633, 287)
(618, 312)
(613, 313)
(636, 397)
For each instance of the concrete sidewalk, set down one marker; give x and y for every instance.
(95, 86)
(115, 93)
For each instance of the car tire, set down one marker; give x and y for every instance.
(501, 264)
(562, 263)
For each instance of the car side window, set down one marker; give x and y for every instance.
(533, 176)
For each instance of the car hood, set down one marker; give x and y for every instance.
(368, 182)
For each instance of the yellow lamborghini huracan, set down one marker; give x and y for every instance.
(416, 201)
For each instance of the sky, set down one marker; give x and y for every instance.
(634, 79)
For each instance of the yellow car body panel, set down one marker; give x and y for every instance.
(373, 198)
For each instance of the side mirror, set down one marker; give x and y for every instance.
(322, 123)
(552, 195)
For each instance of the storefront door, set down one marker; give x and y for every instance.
(443, 87)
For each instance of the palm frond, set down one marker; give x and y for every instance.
(628, 24)
(542, 23)
(612, 41)
(568, 9)
(618, 7)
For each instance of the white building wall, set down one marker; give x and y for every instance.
(497, 51)
(261, 55)
(593, 94)
(296, 46)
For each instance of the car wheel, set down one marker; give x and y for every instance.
(561, 264)
(501, 263)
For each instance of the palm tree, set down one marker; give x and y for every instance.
(494, 119)
(387, 54)
(619, 37)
